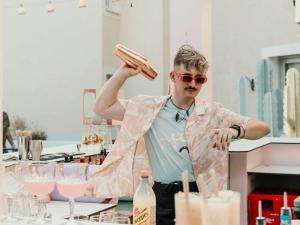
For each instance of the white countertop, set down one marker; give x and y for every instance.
(87, 150)
(72, 148)
(244, 145)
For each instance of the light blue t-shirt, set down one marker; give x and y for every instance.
(166, 145)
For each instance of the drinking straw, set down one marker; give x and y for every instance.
(202, 186)
(285, 199)
(259, 209)
(185, 182)
(214, 182)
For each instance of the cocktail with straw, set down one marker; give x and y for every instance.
(204, 194)
(234, 199)
(187, 204)
(217, 209)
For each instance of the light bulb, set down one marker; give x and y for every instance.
(81, 4)
(21, 10)
(50, 7)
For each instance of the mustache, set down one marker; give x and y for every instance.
(190, 88)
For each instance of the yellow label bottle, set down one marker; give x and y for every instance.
(144, 202)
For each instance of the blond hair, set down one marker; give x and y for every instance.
(190, 58)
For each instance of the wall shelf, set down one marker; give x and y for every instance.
(275, 169)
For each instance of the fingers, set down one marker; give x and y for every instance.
(213, 133)
(129, 71)
(221, 138)
(230, 137)
(137, 70)
(215, 137)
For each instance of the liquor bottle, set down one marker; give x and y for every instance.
(97, 161)
(285, 212)
(82, 159)
(102, 157)
(105, 152)
(144, 202)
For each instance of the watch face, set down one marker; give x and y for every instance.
(237, 128)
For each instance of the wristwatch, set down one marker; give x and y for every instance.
(237, 128)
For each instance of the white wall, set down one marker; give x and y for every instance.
(111, 36)
(187, 27)
(141, 29)
(240, 29)
(49, 59)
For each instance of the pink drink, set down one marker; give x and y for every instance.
(71, 188)
(40, 186)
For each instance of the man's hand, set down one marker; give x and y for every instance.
(223, 137)
(127, 71)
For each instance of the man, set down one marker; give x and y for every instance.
(6, 132)
(169, 134)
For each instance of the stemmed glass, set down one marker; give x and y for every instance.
(40, 181)
(71, 182)
(11, 184)
(121, 220)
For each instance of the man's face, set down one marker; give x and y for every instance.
(187, 83)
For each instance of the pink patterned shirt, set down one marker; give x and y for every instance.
(119, 175)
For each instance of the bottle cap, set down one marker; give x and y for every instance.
(145, 173)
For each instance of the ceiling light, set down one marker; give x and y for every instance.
(50, 7)
(21, 10)
(82, 4)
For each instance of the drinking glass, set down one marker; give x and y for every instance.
(81, 218)
(107, 216)
(188, 208)
(121, 220)
(106, 219)
(10, 185)
(217, 206)
(40, 181)
(71, 181)
(94, 218)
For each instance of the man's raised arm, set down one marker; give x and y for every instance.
(107, 103)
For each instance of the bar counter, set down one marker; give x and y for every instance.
(60, 222)
(248, 159)
(251, 162)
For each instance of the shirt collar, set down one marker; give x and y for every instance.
(199, 108)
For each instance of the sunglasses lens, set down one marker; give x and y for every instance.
(186, 78)
(200, 80)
